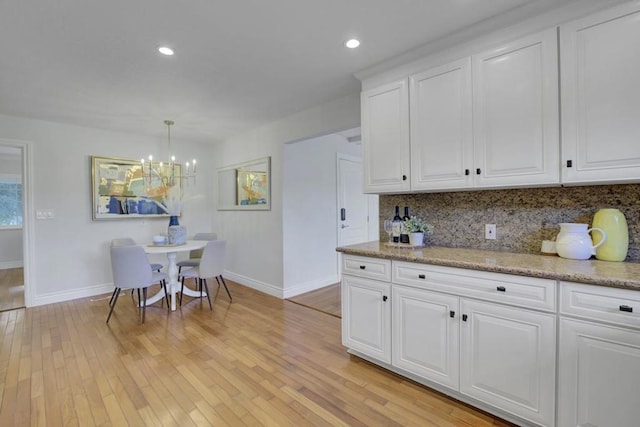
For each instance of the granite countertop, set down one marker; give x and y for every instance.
(605, 273)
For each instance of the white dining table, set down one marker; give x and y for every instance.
(173, 287)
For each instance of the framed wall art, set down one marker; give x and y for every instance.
(245, 186)
(121, 189)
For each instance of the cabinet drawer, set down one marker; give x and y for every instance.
(373, 268)
(620, 306)
(523, 291)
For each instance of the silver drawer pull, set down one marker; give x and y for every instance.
(626, 308)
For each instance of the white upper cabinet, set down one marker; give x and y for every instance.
(489, 120)
(441, 127)
(385, 135)
(600, 65)
(515, 113)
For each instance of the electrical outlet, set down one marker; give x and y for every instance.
(490, 231)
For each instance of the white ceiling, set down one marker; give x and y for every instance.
(238, 63)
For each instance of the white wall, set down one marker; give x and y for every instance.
(310, 212)
(70, 257)
(255, 238)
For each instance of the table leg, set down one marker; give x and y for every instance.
(173, 285)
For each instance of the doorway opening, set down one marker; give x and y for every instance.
(12, 224)
(313, 200)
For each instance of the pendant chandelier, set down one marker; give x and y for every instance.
(168, 173)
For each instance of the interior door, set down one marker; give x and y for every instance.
(353, 204)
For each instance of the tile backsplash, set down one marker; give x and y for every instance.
(524, 217)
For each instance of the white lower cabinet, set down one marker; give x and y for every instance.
(599, 362)
(425, 334)
(500, 354)
(498, 350)
(366, 316)
(507, 359)
(599, 369)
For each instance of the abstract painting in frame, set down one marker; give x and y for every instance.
(121, 191)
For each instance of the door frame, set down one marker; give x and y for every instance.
(28, 238)
(343, 156)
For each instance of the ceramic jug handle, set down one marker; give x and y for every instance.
(604, 237)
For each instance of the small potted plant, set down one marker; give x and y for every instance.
(417, 229)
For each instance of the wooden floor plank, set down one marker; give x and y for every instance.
(326, 300)
(11, 288)
(258, 361)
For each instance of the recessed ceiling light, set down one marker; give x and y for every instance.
(165, 50)
(352, 44)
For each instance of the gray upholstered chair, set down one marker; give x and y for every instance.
(128, 241)
(195, 255)
(211, 265)
(131, 270)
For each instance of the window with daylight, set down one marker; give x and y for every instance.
(10, 201)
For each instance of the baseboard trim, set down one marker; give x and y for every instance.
(310, 286)
(5, 265)
(255, 284)
(54, 297)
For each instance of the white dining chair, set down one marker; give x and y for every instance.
(211, 265)
(128, 241)
(131, 270)
(196, 254)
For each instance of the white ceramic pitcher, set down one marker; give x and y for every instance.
(574, 241)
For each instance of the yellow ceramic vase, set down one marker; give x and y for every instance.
(613, 222)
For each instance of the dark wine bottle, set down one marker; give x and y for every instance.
(404, 235)
(397, 225)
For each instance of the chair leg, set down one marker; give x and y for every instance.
(181, 291)
(113, 295)
(200, 285)
(115, 300)
(166, 295)
(206, 287)
(144, 304)
(225, 288)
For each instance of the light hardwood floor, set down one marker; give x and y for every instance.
(259, 361)
(326, 300)
(11, 289)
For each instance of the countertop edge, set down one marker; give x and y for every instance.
(623, 275)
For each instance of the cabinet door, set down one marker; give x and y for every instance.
(507, 359)
(441, 127)
(426, 334)
(599, 373)
(366, 316)
(385, 138)
(600, 65)
(515, 114)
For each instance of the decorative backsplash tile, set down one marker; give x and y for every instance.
(524, 217)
